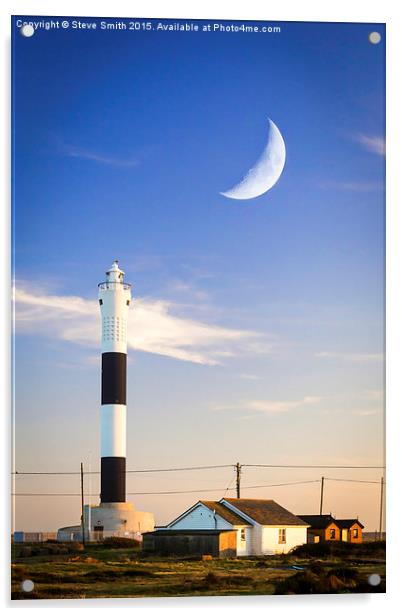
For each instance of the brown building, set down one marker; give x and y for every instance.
(190, 542)
(351, 530)
(322, 528)
(327, 528)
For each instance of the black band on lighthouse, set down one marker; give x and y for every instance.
(113, 480)
(114, 367)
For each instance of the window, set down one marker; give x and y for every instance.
(282, 535)
(355, 533)
(243, 534)
(332, 533)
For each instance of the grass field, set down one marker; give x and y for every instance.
(61, 571)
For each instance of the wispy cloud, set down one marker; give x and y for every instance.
(154, 327)
(351, 186)
(250, 377)
(367, 413)
(268, 407)
(98, 157)
(187, 289)
(372, 143)
(352, 357)
(375, 395)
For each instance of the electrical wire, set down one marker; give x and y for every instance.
(198, 468)
(272, 485)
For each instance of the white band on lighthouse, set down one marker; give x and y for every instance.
(113, 437)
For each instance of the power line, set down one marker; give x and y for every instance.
(308, 466)
(272, 485)
(275, 485)
(352, 480)
(194, 468)
(146, 470)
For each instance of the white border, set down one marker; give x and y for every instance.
(285, 10)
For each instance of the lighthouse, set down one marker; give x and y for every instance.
(114, 301)
(114, 516)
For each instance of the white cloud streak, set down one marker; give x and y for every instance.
(100, 158)
(351, 186)
(367, 413)
(269, 407)
(250, 377)
(154, 328)
(372, 143)
(358, 358)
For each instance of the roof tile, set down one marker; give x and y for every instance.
(265, 512)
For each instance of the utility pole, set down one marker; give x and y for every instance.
(381, 505)
(82, 505)
(238, 472)
(322, 494)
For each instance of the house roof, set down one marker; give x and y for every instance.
(349, 523)
(318, 521)
(189, 531)
(265, 512)
(226, 513)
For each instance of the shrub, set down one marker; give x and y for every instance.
(307, 550)
(340, 548)
(211, 579)
(120, 542)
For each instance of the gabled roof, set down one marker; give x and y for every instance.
(318, 521)
(349, 523)
(167, 532)
(265, 512)
(226, 513)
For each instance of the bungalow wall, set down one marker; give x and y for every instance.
(201, 518)
(274, 542)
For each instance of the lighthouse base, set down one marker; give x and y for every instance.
(117, 519)
(110, 520)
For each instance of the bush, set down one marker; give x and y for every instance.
(120, 542)
(307, 582)
(211, 579)
(373, 549)
(307, 550)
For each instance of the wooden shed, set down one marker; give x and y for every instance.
(216, 542)
(322, 528)
(327, 528)
(351, 530)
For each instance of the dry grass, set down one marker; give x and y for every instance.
(101, 571)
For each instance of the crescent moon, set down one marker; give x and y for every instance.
(266, 171)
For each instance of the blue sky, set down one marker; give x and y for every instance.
(258, 325)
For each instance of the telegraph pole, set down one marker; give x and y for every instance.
(322, 494)
(381, 505)
(238, 472)
(82, 505)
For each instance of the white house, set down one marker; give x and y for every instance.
(263, 526)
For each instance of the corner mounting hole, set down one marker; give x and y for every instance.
(27, 585)
(27, 30)
(374, 579)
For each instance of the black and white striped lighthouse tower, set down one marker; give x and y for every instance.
(114, 514)
(114, 300)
